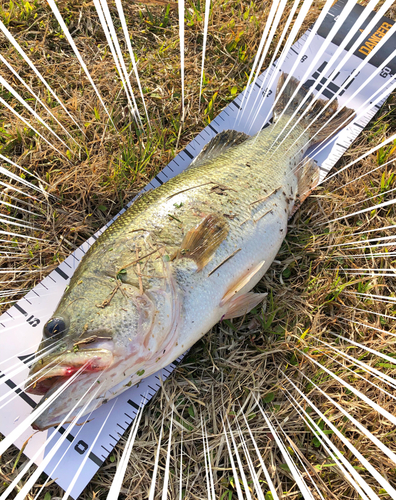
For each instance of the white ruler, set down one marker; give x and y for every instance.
(21, 326)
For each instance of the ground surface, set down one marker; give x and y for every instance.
(310, 295)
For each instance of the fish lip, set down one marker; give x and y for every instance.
(64, 366)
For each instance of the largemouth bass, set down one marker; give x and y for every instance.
(180, 259)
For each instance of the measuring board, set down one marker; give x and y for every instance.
(21, 326)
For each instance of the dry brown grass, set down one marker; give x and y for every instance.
(309, 290)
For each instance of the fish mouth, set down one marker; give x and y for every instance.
(57, 369)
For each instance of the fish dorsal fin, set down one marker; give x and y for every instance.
(201, 242)
(218, 145)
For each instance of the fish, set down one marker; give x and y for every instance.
(183, 257)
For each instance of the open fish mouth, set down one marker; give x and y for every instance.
(62, 367)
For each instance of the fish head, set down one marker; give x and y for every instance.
(104, 334)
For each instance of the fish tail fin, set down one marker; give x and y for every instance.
(289, 105)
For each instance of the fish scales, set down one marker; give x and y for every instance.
(181, 258)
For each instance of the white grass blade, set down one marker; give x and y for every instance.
(62, 24)
(16, 45)
(123, 464)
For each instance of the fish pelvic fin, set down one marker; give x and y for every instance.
(201, 242)
(309, 112)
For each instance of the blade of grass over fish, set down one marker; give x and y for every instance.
(116, 484)
(15, 73)
(380, 479)
(29, 108)
(104, 16)
(370, 103)
(272, 63)
(207, 12)
(40, 469)
(333, 59)
(132, 55)
(285, 454)
(262, 464)
(157, 457)
(2, 101)
(15, 44)
(351, 474)
(167, 463)
(65, 30)
(8, 440)
(275, 13)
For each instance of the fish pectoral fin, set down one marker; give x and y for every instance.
(201, 242)
(243, 281)
(218, 145)
(239, 306)
(307, 180)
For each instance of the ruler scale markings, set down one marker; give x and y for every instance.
(61, 273)
(20, 393)
(19, 308)
(212, 128)
(329, 156)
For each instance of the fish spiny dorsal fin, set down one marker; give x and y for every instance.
(201, 242)
(289, 106)
(218, 145)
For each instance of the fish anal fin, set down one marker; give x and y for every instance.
(243, 281)
(307, 180)
(239, 306)
(218, 145)
(201, 242)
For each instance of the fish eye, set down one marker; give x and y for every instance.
(55, 326)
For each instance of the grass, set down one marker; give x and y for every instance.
(311, 295)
